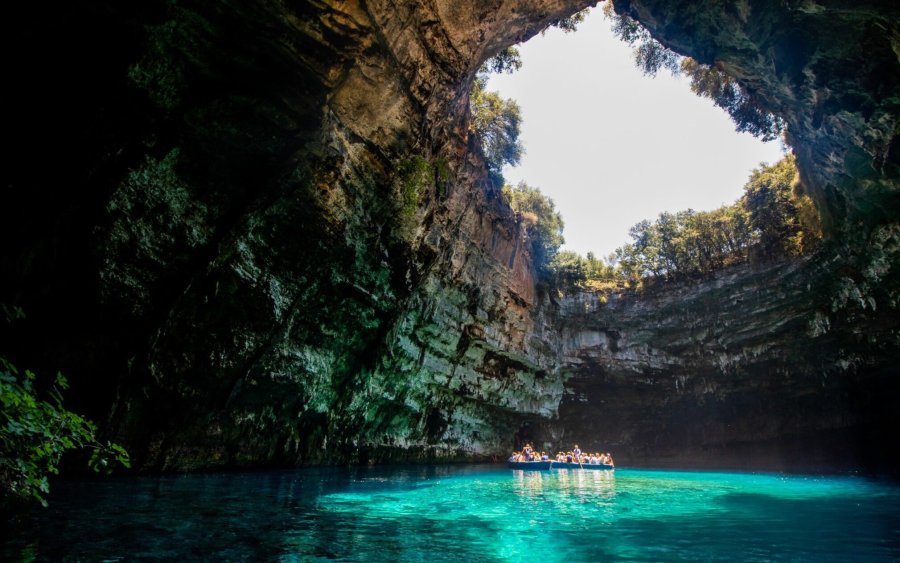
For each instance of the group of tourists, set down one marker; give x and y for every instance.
(528, 453)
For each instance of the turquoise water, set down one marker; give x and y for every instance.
(466, 513)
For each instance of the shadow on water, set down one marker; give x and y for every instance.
(463, 514)
(760, 527)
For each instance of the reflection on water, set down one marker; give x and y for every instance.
(465, 513)
(580, 484)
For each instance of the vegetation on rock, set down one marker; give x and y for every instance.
(543, 223)
(773, 218)
(745, 108)
(496, 121)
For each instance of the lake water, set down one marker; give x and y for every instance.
(465, 513)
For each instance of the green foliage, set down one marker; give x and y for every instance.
(35, 433)
(543, 223)
(569, 269)
(507, 61)
(12, 313)
(413, 176)
(686, 243)
(781, 214)
(570, 24)
(649, 55)
(745, 109)
(773, 218)
(441, 176)
(496, 121)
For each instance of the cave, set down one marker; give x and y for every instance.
(206, 229)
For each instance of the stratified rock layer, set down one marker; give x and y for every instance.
(260, 233)
(764, 366)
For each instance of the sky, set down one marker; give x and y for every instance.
(611, 146)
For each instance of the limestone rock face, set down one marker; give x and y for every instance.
(764, 366)
(261, 233)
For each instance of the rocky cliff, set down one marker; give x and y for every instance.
(764, 366)
(260, 233)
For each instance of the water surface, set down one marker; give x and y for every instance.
(466, 513)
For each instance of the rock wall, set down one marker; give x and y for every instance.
(762, 367)
(261, 233)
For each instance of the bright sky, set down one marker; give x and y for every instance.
(613, 147)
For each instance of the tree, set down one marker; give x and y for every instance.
(745, 107)
(570, 23)
(496, 121)
(506, 61)
(778, 209)
(543, 222)
(569, 269)
(773, 216)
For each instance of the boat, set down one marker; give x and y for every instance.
(533, 465)
(566, 465)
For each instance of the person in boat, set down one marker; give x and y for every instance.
(569, 457)
(544, 457)
(609, 459)
(577, 452)
(529, 453)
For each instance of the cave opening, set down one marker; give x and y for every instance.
(612, 145)
(689, 351)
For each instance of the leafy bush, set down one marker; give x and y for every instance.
(36, 432)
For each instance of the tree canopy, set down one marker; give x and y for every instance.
(496, 121)
(774, 217)
(543, 222)
(742, 105)
(783, 217)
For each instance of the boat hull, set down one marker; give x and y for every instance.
(564, 465)
(533, 465)
(543, 465)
